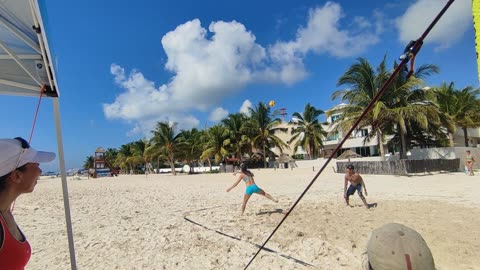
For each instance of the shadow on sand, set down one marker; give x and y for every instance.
(278, 210)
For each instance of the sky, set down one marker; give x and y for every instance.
(122, 66)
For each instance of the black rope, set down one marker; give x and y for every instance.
(251, 243)
(410, 52)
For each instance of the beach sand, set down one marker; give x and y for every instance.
(191, 222)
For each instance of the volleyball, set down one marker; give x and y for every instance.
(271, 103)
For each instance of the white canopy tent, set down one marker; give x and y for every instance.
(26, 70)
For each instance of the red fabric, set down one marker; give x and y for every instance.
(409, 263)
(14, 255)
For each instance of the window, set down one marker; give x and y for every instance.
(335, 117)
(364, 132)
(333, 137)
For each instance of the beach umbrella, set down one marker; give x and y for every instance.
(348, 155)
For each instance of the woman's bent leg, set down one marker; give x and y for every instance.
(262, 192)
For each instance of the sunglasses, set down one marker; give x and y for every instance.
(25, 145)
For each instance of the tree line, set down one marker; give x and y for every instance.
(414, 113)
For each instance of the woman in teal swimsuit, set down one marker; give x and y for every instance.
(247, 177)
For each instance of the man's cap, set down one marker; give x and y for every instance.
(350, 166)
(398, 247)
(15, 153)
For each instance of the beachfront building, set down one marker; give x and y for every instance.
(473, 137)
(356, 142)
(286, 137)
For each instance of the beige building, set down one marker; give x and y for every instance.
(286, 137)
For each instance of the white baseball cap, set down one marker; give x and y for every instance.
(395, 246)
(15, 153)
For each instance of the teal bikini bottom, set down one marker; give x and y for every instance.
(252, 189)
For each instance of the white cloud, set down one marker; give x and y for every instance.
(209, 65)
(450, 28)
(323, 34)
(245, 105)
(143, 105)
(218, 114)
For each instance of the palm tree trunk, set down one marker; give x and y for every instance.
(311, 152)
(191, 167)
(380, 144)
(465, 134)
(172, 167)
(403, 146)
(450, 140)
(264, 156)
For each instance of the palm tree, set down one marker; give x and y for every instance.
(217, 143)
(165, 140)
(125, 152)
(262, 127)
(409, 105)
(308, 131)
(234, 124)
(141, 154)
(111, 156)
(364, 82)
(190, 146)
(401, 105)
(461, 106)
(88, 163)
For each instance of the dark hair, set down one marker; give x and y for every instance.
(350, 166)
(3, 179)
(244, 169)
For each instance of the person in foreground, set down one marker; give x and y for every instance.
(397, 247)
(356, 183)
(19, 172)
(247, 176)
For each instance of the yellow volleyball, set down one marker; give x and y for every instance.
(271, 103)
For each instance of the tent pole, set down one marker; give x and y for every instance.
(66, 202)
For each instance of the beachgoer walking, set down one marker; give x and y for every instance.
(469, 160)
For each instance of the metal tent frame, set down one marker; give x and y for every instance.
(26, 70)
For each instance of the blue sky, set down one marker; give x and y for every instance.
(122, 66)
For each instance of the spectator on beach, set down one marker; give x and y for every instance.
(19, 172)
(469, 160)
(397, 247)
(247, 176)
(356, 184)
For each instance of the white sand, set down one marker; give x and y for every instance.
(134, 222)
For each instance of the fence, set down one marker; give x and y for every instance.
(402, 167)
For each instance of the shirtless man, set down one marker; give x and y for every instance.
(356, 183)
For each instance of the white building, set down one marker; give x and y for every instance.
(356, 142)
(473, 136)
